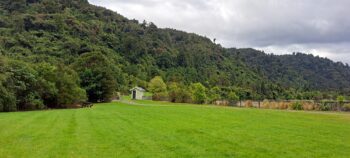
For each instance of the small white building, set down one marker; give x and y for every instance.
(137, 93)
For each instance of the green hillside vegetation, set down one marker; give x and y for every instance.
(160, 129)
(59, 53)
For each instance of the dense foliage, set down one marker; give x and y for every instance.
(60, 52)
(158, 88)
(300, 71)
(99, 76)
(25, 86)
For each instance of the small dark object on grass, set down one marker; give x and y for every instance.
(87, 105)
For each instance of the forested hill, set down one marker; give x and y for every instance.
(297, 69)
(102, 52)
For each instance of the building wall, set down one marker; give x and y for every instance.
(139, 95)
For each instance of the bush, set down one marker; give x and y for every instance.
(308, 106)
(273, 105)
(346, 107)
(178, 93)
(283, 105)
(248, 104)
(214, 94)
(340, 99)
(186, 96)
(296, 106)
(157, 85)
(324, 106)
(160, 96)
(33, 102)
(265, 104)
(199, 95)
(233, 96)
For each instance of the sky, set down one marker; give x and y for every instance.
(319, 27)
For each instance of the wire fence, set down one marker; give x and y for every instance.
(321, 105)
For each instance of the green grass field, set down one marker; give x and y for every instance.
(158, 129)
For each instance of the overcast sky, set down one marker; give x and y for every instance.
(320, 27)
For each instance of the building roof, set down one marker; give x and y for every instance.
(138, 88)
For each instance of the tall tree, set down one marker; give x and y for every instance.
(68, 85)
(97, 74)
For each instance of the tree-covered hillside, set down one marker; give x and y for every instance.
(102, 52)
(298, 70)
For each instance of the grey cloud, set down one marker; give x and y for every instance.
(308, 24)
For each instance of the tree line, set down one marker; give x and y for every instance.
(179, 92)
(31, 86)
(83, 52)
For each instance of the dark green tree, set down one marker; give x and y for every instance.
(68, 86)
(98, 76)
(7, 100)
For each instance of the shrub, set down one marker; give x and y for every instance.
(74, 106)
(174, 91)
(296, 106)
(340, 100)
(199, 95)
(323, 106)
(308, 106)
(222, 102)
(232, 96)
(265, 104)
(157, 85)
(214, 94)
(33, 102)
(283, 105)
(273, 105)
(186, 96)
(178, 93)
(160, 96)
(248, 104)
(346, 107)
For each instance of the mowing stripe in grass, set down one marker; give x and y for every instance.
(173, 130)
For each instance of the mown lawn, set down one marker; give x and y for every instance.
(157, 129)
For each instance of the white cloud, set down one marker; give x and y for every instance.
(320, 27)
